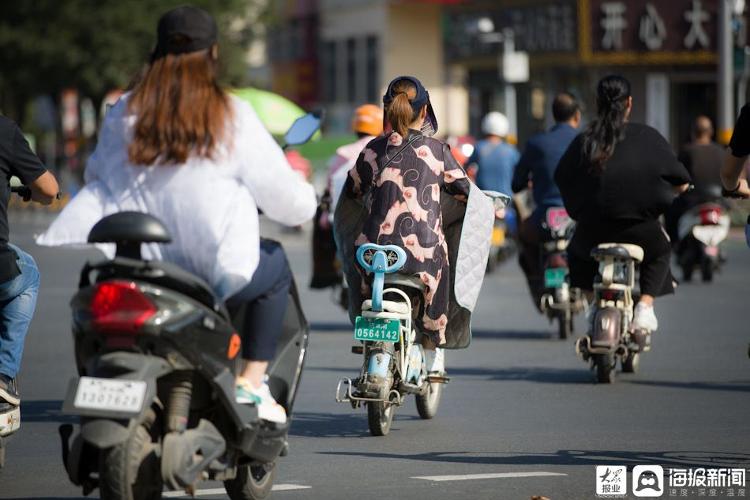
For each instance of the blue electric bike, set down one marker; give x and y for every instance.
(394, 359)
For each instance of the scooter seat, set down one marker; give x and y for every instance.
(388, 306)
(409, 281)
(618, 251)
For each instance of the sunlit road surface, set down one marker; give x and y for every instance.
(520, 417)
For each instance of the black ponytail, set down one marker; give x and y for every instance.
(601, 137)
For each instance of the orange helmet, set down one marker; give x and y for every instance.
(368, 119)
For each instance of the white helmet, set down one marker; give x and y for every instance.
(495, 123)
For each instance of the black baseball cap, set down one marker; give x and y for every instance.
(183, 30)
(430, 126)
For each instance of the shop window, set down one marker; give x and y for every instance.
(328, 56)
(372, 73)
(351, 69)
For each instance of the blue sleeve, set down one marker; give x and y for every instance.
(523, 169)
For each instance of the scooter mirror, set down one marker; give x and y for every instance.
(303, 128)
(501, 200)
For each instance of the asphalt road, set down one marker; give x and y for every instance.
(521, 416)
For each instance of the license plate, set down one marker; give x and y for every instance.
(555, 277)
(498, 236)
(110, 394)
(377, 329)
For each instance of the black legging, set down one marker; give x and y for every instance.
(266, 298)
(655, 274)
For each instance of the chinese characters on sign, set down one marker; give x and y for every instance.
(646, 26)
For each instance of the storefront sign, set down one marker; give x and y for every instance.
(649, 31)
(548, 27)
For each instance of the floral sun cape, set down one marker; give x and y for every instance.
(404, 210)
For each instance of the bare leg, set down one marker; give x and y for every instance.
(254, 371)
(647, 300)
(427, 343)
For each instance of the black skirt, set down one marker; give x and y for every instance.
(655, 274)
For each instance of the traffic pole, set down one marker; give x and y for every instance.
(725, 115)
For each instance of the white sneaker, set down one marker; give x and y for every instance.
(434, 360)
(268, 408)
(644, 318)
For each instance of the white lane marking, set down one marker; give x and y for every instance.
(498, 475)
(222, 491)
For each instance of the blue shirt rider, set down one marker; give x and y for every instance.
(495, 160)
(543, 152)
(538, 164)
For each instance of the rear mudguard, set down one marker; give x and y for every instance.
(606, 329)
(104, 429)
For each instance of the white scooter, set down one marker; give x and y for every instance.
(701, 231)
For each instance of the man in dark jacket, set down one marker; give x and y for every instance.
(537, 166)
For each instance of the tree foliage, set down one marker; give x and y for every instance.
(98, 45)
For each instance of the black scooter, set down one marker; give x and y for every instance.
(157, 355)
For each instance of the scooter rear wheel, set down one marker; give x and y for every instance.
(707, 270)
(380, 416)
(2, 454)
(604, 364)
(427, 403)
(251, 483)
(129, 470)
(565, 325)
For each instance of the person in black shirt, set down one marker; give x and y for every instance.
(702, 158)
(739, 147)
(19, 276)
(616, 179)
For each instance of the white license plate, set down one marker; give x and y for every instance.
(110, 394)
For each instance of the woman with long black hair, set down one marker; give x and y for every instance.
(616, 179)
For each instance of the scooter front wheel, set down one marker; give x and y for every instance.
(380, 416)
(631, 363)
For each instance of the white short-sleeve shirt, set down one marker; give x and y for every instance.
(210, 206)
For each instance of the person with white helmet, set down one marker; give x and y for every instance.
(495, 159)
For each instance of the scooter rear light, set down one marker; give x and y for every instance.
(613, 295)
(119, 307)
(557, 260)
(710, 216)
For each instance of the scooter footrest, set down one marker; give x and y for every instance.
(10, 421)
(438, 379)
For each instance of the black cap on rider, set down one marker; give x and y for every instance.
(430, 125)
(183, 30)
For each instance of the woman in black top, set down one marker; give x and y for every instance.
(616, 179)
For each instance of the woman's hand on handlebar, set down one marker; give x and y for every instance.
(23, 191)
(742, 191)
